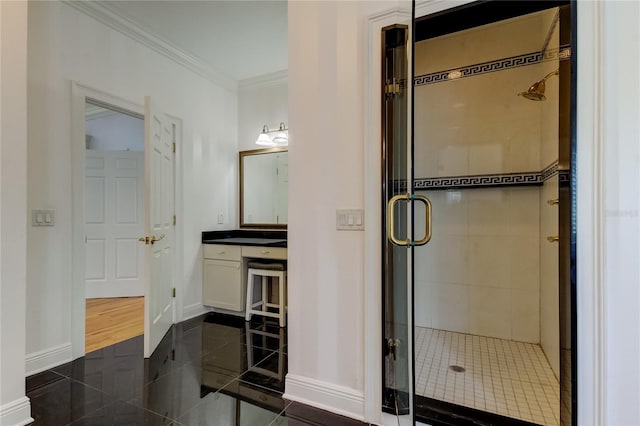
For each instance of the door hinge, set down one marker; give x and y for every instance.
(392, 348)
(173, 293)
(174, 220)
(173, 147)
(392, 88)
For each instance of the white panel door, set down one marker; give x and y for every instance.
(114, 207)
(158, 302)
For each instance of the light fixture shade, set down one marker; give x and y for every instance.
(282, 137)
(263, 138)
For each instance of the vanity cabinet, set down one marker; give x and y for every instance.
(223, 277)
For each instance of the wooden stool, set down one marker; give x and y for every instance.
(266, 270)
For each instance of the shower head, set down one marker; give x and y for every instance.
(536, 91)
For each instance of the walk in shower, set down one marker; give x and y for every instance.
(487, 154)
(491, 149)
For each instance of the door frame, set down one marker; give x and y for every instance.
(79, 94)
(373, 217)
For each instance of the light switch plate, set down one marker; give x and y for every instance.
(350, 220)
(43, 217)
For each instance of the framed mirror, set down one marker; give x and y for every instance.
(264, 175)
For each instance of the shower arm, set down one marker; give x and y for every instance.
(548, 76)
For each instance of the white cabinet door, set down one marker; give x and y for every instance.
(223, 284)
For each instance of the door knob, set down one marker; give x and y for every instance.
(150, 239)
(153, 239)
(553, 239)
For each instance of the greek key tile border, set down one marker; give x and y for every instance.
(548, 172)
(562, 53)
(478, 181)
(486, 181)
(564, 176)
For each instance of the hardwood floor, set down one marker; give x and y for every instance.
(113, 320)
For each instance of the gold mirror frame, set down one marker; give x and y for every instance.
(241, 156)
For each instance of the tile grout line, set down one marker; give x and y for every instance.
(499, 371)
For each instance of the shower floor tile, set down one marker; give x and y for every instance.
(510, 378)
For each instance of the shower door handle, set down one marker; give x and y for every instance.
(427, 220)
(391, 220)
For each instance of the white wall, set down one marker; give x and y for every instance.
(261, 101)
(608, 213)
(327, 52)
(65, 45)
(14, 406)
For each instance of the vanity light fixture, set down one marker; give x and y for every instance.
(263, 137)
(281, 137)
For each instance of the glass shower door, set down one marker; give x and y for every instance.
(396, 342)
(491, 149)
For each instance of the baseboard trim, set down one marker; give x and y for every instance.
(326, 396)
(16, 413)
(193, 311)
(43, 360)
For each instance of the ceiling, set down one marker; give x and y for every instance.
(239, 39)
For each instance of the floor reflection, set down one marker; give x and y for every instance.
(212, 370)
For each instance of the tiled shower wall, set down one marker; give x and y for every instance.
(549, 274)
(549, 277)
(480, 272)
(483, 271)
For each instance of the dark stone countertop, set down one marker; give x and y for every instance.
(242, 237)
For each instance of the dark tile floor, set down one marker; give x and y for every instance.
(211, 370)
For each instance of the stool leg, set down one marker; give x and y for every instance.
(247, 312)
(281, 285)
(265, 294)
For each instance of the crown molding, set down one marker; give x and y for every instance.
(427, 7)
(266, 80)
(135, 31)
(396, 14)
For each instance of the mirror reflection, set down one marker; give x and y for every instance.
(263, 188)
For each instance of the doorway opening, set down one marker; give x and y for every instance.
(162, 136)
(113, 221)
